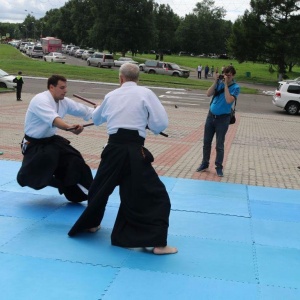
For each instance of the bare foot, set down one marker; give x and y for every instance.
(165, 250)
(94, 229)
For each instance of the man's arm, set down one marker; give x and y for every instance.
(59, 123)
(211, 90)
(78, 109)
(229, 98)
(157, 115)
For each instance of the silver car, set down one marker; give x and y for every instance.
(101, 60)
(36, 51)
(86, 54)
(122, 60)
(165, 68)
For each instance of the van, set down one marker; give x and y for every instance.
(36, 51)
(101, 60)
(68, 48)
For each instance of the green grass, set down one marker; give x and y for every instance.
(12, 61)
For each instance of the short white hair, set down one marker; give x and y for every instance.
(130, 72)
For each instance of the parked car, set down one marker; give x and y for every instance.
(122, 60)
(287, 96)
(164, 68)
(73, 50)
(78, 53)
(22, 45)
(28, 49)
(86, 54)
(6, 80)
(36, 51)
(66, 49)
(101, 60)
(184, 53)
(56, 57)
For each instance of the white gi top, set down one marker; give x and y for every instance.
(131, 107)
(43, 109)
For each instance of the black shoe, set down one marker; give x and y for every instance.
(219, 172)
(202, 168)
(19, 99)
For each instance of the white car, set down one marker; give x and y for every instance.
(28, 50)
(26, 47)
(86, 54)
(287, 96)
(122, 60)
(56, 57)
(78, 53)
(6, 80)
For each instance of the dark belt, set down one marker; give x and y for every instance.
(126, 136)
(51, 139)
(217, 116)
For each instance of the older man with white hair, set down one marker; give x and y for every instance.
(143, 216)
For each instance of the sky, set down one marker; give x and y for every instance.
(15, 11)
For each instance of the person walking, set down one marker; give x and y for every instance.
(224, 91)
(49, 159)
(143, 216)
(19, 81)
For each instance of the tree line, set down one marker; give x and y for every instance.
(267, 32)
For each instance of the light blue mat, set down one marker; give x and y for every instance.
(235, 242)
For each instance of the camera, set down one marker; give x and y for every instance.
(221, 77)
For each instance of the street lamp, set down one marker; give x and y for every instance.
(33, 30)
(25, 30)
(42, 24)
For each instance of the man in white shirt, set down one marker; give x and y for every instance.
(199, 70)
(49, 159)
(143, 217)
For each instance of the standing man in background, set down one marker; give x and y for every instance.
(199, 70)
(224, 91)
(19, 81)
(206, 71)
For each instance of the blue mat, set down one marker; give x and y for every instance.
(235, 242)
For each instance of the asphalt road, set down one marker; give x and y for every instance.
(260, 103)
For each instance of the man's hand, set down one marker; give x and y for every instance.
(226, 79)
(77, 129)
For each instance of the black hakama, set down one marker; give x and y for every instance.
(54, 162)
(143, 216)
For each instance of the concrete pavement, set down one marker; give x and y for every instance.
(260, 150)
(235, 241)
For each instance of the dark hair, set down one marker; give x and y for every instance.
(19, 72)
(53, 80)
(229, 69)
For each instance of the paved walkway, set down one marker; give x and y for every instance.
(236, 240)
(260, 150)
